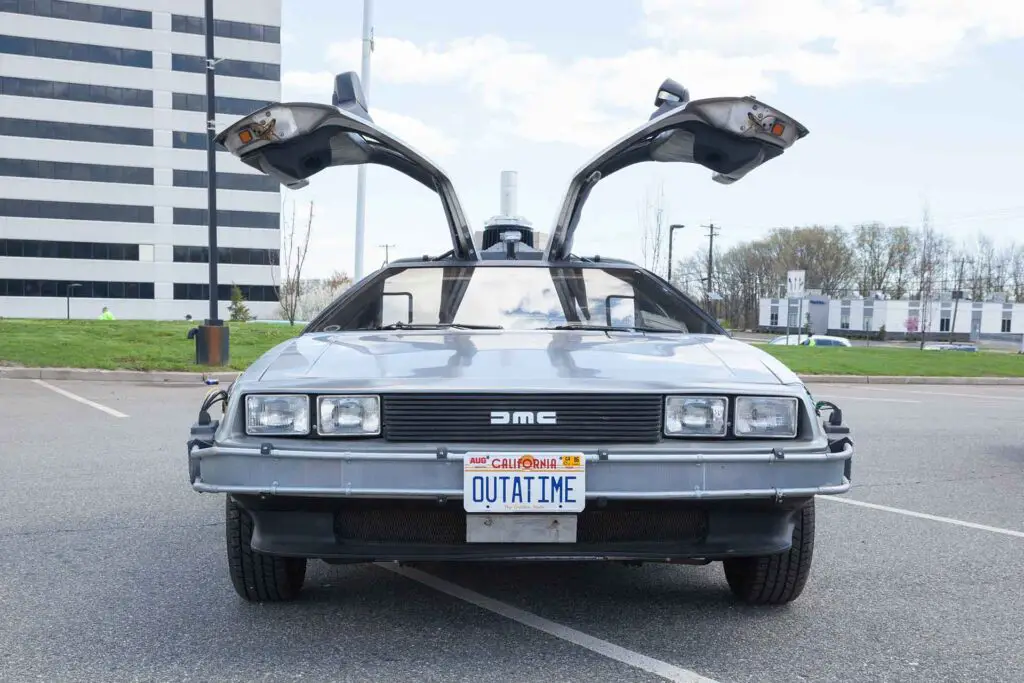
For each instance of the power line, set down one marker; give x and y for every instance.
(713, 231)
(387, 252)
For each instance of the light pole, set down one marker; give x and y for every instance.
(212, 346)
(361, 171)
(67, 293)
(671, 232)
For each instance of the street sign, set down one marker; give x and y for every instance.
(795, 281)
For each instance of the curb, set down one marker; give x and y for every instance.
(193, 378)
(911, 379)
(129, 376)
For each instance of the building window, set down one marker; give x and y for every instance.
(773, 319)
(76, 52)
(229, 219)
(81, 211)
(229, 255)
(943, 324)
(183, 140)
(80, 11)
(226, 29)
(235, 68)
(1005, 327)
(227, 181)
(844, 321)
(194, 291)
(76, 132)
(224, 105)
(87, 290)
(100, 251)
(76, 92)
(61, 170)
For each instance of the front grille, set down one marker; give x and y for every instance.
(580, 418)
(637, 521)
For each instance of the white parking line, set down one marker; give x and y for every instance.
(602, 647)
(76, 397)
(924, 515)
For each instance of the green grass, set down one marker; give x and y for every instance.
(127, 344)
(863, 360)
(161, 345)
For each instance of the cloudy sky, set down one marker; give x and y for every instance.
(909, 103)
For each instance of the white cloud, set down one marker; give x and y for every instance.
(714, 48)
(317, 87)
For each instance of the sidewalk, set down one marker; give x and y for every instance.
(198, 378)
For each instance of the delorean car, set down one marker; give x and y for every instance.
(503, 402)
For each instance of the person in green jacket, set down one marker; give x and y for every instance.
(106, 314)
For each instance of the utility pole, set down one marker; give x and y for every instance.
(711, 258)
(361, 171)
(387, 252)
(671, 233)
(957, 295)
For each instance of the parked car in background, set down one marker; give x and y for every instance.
(805, 340)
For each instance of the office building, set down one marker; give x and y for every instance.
(103, 157)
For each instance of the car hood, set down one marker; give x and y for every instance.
(439, 360)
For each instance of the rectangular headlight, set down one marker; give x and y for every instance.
(348, 415)
(276, 414)
(695, 416)
(764, 416)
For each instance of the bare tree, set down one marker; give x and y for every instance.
(319, 294)
(294, 248)
(652, 219)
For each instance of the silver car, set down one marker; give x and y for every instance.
(502, 402)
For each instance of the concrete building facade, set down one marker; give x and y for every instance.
(103, 153)
(857, 317)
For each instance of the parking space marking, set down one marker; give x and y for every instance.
(925, 515)
(76, 397)
(602, 647)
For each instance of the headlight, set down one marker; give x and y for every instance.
(695, 416)
(348, 415)
(763, 416)
(276, 414)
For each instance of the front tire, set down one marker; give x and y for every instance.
(776, 579)
(258, 577)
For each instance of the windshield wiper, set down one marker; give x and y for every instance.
(604, 328)
(437, 326)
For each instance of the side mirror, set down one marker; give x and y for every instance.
(620, 311)
(392, 309)
(672, 93)
(348, 95)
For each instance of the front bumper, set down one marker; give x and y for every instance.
(364, 506)
(769, 474)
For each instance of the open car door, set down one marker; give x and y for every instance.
(291, 141)
(728, 135)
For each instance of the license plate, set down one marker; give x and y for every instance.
(523, 482)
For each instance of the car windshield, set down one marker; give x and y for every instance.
(518, 298)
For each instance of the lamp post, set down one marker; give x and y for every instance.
(671, 232)
(361, 171)
(67, 293)
(212, 336)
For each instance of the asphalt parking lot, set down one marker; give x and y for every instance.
(113, 569)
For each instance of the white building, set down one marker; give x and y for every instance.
(852, 317)
(103, 153)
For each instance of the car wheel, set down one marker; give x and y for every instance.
(776, 579)
(258, 577)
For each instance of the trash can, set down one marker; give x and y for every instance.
(212, 347)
